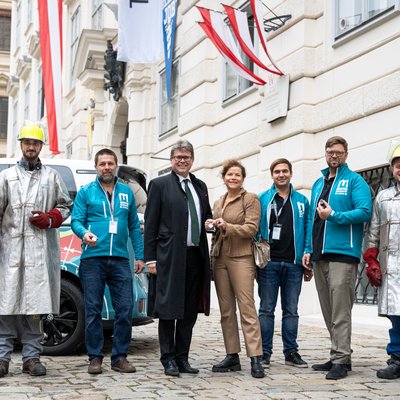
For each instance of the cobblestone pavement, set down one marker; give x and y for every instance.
(67, 377)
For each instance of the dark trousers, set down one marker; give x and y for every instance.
(175, 336)
(393, 346)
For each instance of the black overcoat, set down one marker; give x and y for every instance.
(165, 241)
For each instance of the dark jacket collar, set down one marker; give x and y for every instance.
(28, 166)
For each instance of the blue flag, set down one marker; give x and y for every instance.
(169, 8)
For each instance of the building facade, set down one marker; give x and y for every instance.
(5, 37)
(343, 62)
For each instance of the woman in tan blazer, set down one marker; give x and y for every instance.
(236, 218)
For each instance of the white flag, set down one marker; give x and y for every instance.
(139, 31)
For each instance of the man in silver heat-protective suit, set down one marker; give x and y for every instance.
(33, 203)
(384, 239)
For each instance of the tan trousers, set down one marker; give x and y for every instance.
(234, 282)
(335, 284)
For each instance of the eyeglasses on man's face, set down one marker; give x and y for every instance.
(182, 158)
(331, 153)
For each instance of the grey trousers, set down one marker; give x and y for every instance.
(335, 284)
(27, 328)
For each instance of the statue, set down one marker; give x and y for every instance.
(114, 77)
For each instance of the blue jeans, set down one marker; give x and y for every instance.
(288, 277)
(393, 346)
(94, 273)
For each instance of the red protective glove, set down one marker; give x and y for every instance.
(56, 218)
(42, 219)
(373, 270)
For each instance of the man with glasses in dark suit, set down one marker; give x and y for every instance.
(176, 254)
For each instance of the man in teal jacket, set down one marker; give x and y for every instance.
(284, 214)
(340, 204)
(104, 215)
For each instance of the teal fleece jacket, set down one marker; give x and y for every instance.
(93, 212)
(350, 200)
(300, 208)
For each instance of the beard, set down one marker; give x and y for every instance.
(30, 156)
(106, 178)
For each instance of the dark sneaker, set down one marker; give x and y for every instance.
(95, 366)
(3, 368)
(257, 370)
(338, 371)
(392, 371)
(230, 363)
(123, 365)
(294, 359)
(325, 367)
(33, 367)
(265, 361)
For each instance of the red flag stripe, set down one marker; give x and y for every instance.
(259, 24)
(232, 16)
(50, 16)
(239, 71)
(223, 48)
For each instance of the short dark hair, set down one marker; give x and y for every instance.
(280, 161)
(104, 151)
(182, 145)
(232, 163)
(336, 140)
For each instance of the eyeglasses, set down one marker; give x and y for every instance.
(331, 153)
(182, 158)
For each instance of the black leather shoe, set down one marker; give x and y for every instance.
(266, 360)
(257, 370)
(230, 363)
(338, 371)
(171, 369)
(185, 368)
(4, 368)
(392, 371)
(328, 366)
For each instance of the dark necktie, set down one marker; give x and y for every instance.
(195, 231)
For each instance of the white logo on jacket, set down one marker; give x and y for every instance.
(342, 187)
(123, 200)
(301, 208)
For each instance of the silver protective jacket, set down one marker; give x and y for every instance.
(384, 233)
(29, 256)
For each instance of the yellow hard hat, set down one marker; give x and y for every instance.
(395, 154)
(33, 131)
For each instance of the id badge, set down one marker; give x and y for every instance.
(276, 231)
(112, 228)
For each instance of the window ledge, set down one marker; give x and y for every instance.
(170, 132)
(237, 97)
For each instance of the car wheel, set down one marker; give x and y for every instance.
(64, 333)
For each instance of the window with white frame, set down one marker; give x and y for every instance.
(5, 30)
(74, 38)
(29, 12)
(40, 95)
(18, 25)
(97, 14)
(353, 14)
(233, 83)
(27, 92)
(3, 117)
(169, 110)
